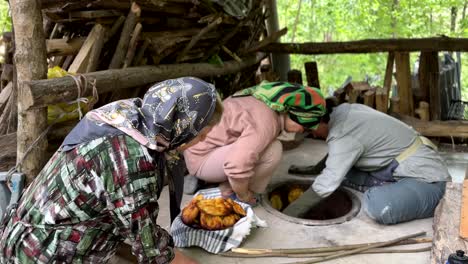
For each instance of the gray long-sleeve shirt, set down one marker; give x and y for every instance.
(366, 139)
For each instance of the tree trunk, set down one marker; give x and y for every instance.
(52, 91)
(31, 64)
(371, 46)
(296, 21)
(453, 19)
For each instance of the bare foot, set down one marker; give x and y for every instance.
(180, 258)
(226, 189)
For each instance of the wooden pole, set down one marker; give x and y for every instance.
(122, 46)
(403, 76)
(432, 74)
(295, 76)
(52, 91)
(31, 64)
(312, 74)
(370, 46)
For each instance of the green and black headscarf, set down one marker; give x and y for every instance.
(305, 105)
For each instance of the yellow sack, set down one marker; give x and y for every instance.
(62, 112)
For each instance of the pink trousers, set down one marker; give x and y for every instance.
(212, 169)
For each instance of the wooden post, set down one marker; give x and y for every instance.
(31, 64)
(381, 101)
(403, 76)
(389, 73)
(395, 105)
(312, 74)
(369, 98)
(295, 76)
(430, 78)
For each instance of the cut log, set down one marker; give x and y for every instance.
(52, 91)
(395, 105)
(115, 27)
(381, 100)
(370, 46)
(369, 98)
(63, 47)
(438, 128)
(311, 70)
(31, 64)
(81, 61)
(122, 46)
(141, 51)
(446, 225)
(403, 76)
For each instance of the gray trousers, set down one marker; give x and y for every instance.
(401, 201)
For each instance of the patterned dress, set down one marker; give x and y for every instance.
(85, 202)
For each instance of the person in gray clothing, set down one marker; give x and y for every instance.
(401, 173)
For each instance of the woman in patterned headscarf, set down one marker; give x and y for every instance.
(102, 185)
(242, 151)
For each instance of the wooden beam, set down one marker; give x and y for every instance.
(370, 46)
(63, 47)
(431, 79)
(446, 225)
(31, 64)
(403, 77)
(437, 128)
(52, 91)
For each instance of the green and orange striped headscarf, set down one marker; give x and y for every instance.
(305, 105)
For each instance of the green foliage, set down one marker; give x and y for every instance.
(331, 20)
(5, 19)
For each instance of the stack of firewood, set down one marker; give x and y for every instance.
(93, 35)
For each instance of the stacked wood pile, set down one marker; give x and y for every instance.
(123, 47)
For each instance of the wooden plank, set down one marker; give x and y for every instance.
(80, 63)
(464, 211)
(371, 46)
(312, 75)
(403, 76)
(446, 239)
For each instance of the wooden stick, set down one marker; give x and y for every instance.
(230, 53)
(370, 46)
(362, 249)
(122, 46)
(268, 40)
(141, 53)
(115, 27)
(325, 254)
(253, 251)
(389, 73)
(132, 46)
(52, 91)
(197, 37)
(95, 14)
